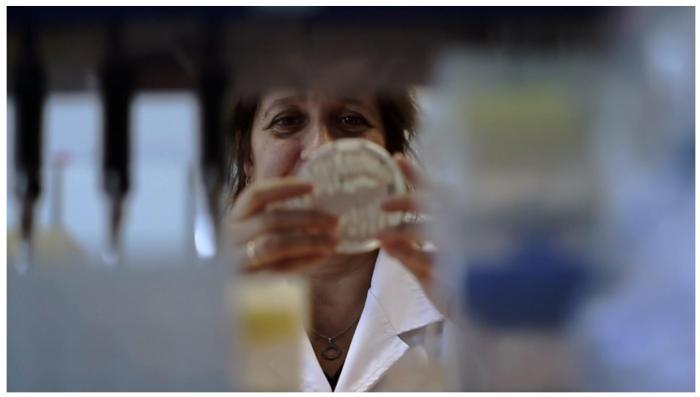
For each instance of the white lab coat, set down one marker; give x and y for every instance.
(391, 349)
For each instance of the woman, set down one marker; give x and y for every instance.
(369, 312)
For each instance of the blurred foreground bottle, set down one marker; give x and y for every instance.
(271, 313)
(568, 228)
(508, 138)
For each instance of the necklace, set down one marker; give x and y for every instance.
(333, 351)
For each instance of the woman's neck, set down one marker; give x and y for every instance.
(338, 291)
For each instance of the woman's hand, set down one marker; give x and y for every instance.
(407, 242)
(284, 240)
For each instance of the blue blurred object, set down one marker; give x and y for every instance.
(536, 287)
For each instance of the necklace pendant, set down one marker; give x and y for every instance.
(331, 352)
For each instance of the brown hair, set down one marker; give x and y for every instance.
(397, 110)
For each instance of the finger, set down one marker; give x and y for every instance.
(289, 266)
(298, 265)
(257, 196)
(417, 261)
(409, 171)
(270, 248)
(412, 232)
(311, 220)
(409, 202)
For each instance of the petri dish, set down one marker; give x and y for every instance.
(351, 178)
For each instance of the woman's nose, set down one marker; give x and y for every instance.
(318, 135)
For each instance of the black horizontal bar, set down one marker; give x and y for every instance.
(53, 16)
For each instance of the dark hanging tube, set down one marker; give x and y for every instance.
(211, 91)
(30, 90)
(116, 83)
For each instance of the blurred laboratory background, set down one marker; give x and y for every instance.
(71, 202)
(562, 141)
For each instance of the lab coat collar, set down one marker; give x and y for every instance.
(395, 304)
(400, 295)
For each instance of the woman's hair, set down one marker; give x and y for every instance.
(397, 110)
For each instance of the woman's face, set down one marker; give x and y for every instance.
(290, 125)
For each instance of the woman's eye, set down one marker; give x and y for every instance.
(287, 123)
(353, 122)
